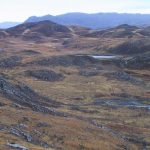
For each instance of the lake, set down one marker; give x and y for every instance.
(103, 57)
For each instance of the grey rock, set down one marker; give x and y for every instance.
(17, 146)
(43, 124)
(12, 61)
(88, 73)
(68, 60)
(25, 96)
(46, 75)
(123, 76)
(21, 134)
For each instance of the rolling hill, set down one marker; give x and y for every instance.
(37, 30)
(57, 94)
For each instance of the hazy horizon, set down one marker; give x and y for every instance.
(7, 21)
(19, 10)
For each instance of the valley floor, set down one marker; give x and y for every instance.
(53, 98)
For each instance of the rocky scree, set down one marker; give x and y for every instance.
(25, 96)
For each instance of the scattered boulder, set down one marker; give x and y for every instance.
(32, 137)
(2, 104)
(30, 52)
(22, 126)
(84, 110)
(66, 60)
(21, 134)
(17, 146)
(10, 62)
(46, 75)
(123, 76)
(131, 47)
(43, 124)
(88, 73)
(15, 105)
(3, 127)
(141, 61)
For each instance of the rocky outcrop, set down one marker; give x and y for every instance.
(46, 75)
(16, 146)
(10, 62)
(29, 137)
(30, 52)
(25, 96)
(89, 73)
(139, 61)
(2, 104)
(123, 76)
(22, 134)
(67, 60)
(132, 47)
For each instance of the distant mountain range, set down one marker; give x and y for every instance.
(5, 25)
(96, 21)
(93, 21)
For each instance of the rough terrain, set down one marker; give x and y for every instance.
(55, 95)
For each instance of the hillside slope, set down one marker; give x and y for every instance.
(73, 88)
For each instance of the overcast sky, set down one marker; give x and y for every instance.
(19, 10)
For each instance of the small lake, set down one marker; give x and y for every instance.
(103, 57)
